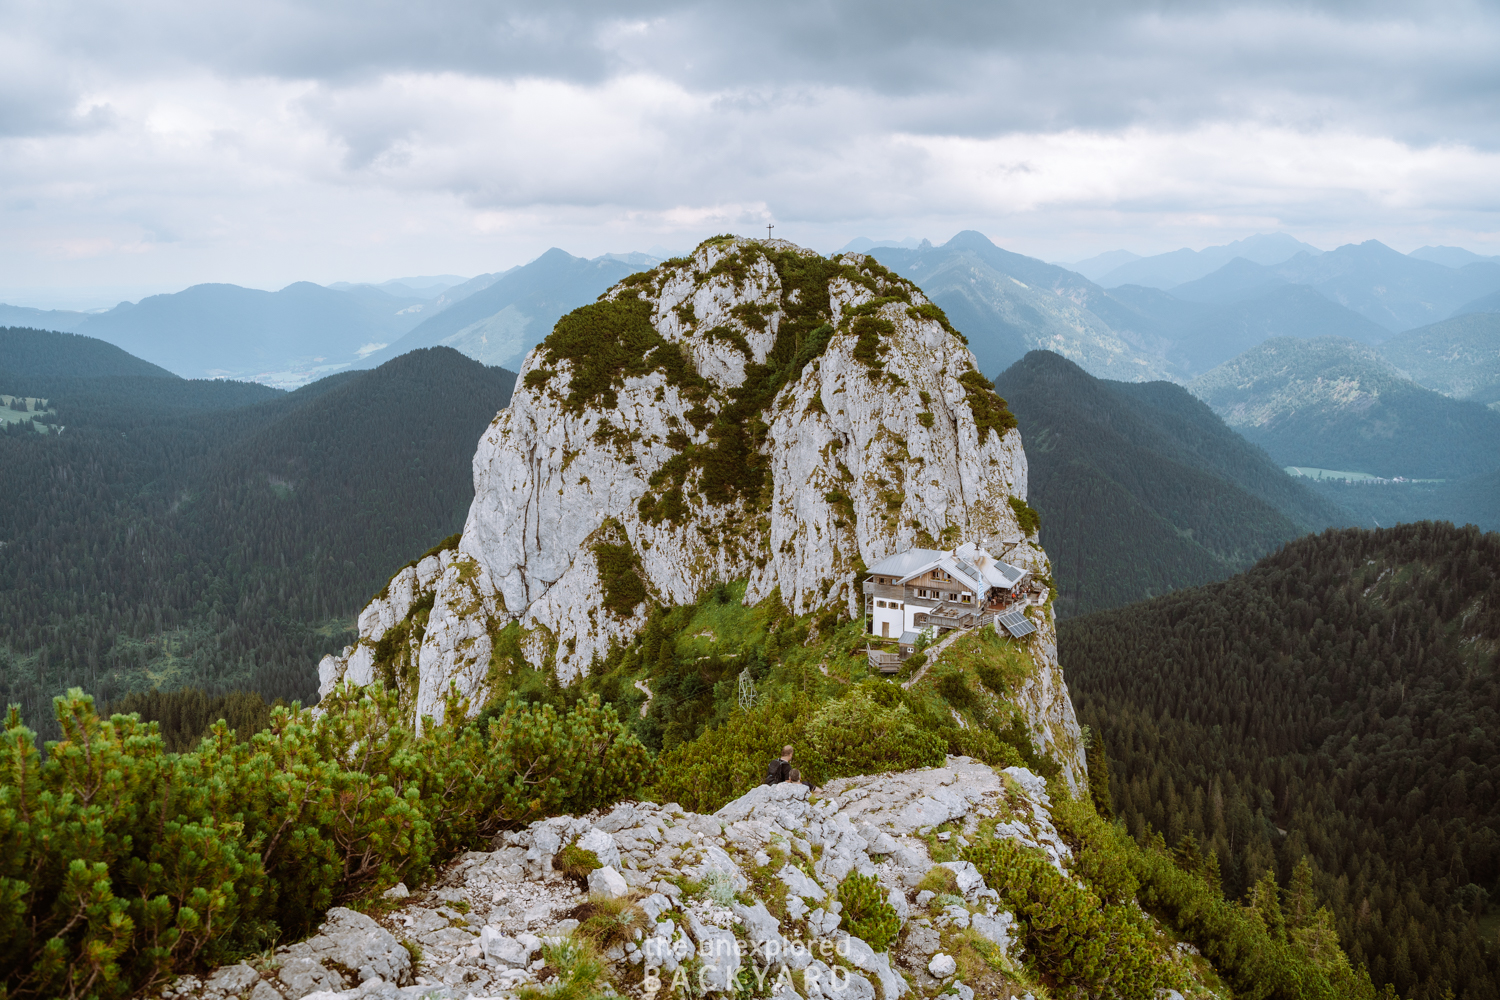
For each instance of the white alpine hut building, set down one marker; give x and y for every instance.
(932, 588)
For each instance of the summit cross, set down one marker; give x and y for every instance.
(769, 226)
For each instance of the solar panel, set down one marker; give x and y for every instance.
(1016, 623)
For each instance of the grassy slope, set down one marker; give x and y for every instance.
(691, 658)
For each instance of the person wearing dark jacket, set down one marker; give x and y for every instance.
(780, 769)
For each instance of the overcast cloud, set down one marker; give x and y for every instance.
(153, 144)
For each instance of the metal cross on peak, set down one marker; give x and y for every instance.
(769, 226)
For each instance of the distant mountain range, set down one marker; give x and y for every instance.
(1451, 256)
(1212, 304)
(306, 331)
(1142, 489)
(1484, 304)
(1332, 403)
(428, 286)
(1169, 270)
(287, 337)
(1396, 291)
(1240, 323)
(863, 244)
(1172, 316)
(1008, 304)
(1096, 267)
(499, 322)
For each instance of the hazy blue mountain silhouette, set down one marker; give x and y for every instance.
(1459, 357)
(1332, 403)
(1282, 310)
(64, 320)
(501, 322)
(1451, 256)
(1484, 304)
(1097, 266)
(1007, 304)
(1238, 279)
(1389, 288)
(217, 330)
(1170, 269)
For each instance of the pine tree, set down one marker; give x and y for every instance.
(1098, 762)
(1301, 901)
(1211, 873)
(1264, 899)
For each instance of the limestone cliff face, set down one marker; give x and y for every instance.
(753, 412)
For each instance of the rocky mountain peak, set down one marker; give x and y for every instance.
(752, 412)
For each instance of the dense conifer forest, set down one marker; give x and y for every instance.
(168, 533)
(1142, 489)
(1338, 702)
(49, 354)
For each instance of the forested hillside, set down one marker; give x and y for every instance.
(1141, 489)
(1458, 357)
(222, 534)
(46, 353)
(1473, 501)
(1330, 403)
(1338, 701)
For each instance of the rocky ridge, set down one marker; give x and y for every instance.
(484, 927)
(752, 412)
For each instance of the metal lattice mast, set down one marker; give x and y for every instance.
(747, 690)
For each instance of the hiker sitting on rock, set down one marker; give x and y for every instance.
(780, 768)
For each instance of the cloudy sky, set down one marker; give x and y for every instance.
(149, 145)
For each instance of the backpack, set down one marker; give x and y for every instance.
(773, 772)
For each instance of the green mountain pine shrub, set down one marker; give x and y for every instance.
(186, 716)
(1250, 946)
(126, 864)
(1026, 516)
(857, 734)
(619, 570)
(990, 411)
(1070, 934)
(866, 914)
